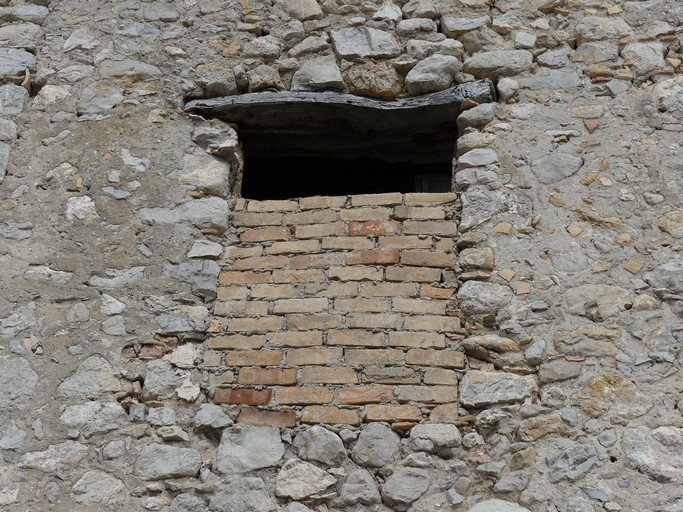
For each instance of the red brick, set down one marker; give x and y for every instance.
(275, 234)
(355, 338)
(442, 358)
(235, 277)
(254, 358)
(415, 274)
(326, 375)
(417, 339)
(330, 415)
(236, 341)
(364, 357)
(267, 377)
(282, 419)
(308, 356)
(391, 413)
(304, 395)
(374, 227)
(313, 322)
(365, 395)
(296, 339)
(242, 396)
(427, 259)
(428, 394)
(373, 257)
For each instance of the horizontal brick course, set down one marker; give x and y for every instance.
(254, 358)
(364, 357)
(414, 274)
(314, 356)
(373, 320)
(311, 217)
(361, 304)
(298, 247)
(430, 227)
(313, 322)
(374, 227)
(298, 276)
(389, 375)
(240, 308)
(242, 396)
(283, 205)
(357, 273)
(423, 198)
(250, 219)
(247, 277)
(324, 375)
(330, 415)
(347, 243)
(319, 230)
(267, 377)
(283, 306)
(417, 339)
(260, 263)
(427, 394)
(261, 324)
(237, 342)
(304, 395)
(392, 413)
(418, 306)
(373, 257)
(363, 214)
(295, 339)
(439, 358)
(359, 395)
(432, 323)
(419, 213)
(355, 338)
(275, 233)
(257, 417)
(405, 242)
(427, 259)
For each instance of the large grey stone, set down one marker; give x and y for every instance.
(265, 47)
(595, 28)
(481, 298)
(24, 317)
(15, 230)
(98, 488)
(482, 389)
(299, 480)
(161, 380)
(498, 63)
(209, 212)
(98, 97)
(211, 417)
(242, 494)
(202, 275)
(364, 43)
(18, 381)
(435, 73)
(319, 74)
(480, 157)
(25, 13)
(186, 502)
(56, 457)
(598, 51)
(404, 487)
(669, 96)
(13, 98)
(645, 57)
(320, 444)
(454, 26)
(597, 301)
(12, 436)
(564, 78)
(245, 448)
(93, 377)
(117, 278)
(204, 173)
(359, 488)
(15, 61)
(127, 68)
(477, 117)
(302, 10)
(376, 446)
(667, 277)
(158, 461)
(657, 453)
(80, 39)
(573, 463)
(555, 167)
(434, 437)
(496, 505)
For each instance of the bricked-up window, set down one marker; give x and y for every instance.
(298, 144)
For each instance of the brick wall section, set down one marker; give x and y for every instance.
(338, 310)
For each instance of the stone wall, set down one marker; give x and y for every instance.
(165, 344)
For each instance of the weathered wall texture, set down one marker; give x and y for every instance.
(514, 347)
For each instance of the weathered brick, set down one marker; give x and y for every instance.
(355, 273)
(309, 356)
(316, 261)
(440, 376)
(272, 205)
(386, 199)
(337, 289)
(326, 375)
(355, 338)
(311, 217)
(231, 292)
(373, 257)
(319, 230)
(240, 308)
(415, 274)
(444, 413)
(427, 259)
(260, 324)
(405, 242)
(428, 198)
(417, 339)
(389, 375)
(313, 322)
(445, 244)
(374, 227)
(390, 413)
(318, 202)
(260, 418)
(242, 396)
(430, 227)
(372, 320)
(363, 357)
(250, 220)
(420, 306)
(267, 376)
(274, 233)
(330, 415)
(388, 289)
(298, 247)
(347, 242)
(233, 252)
(298, 276)
(304, 396)
(364, 214)
(236, 341)
(295, 339)
(359, 395)
(221, 379)
(435, 292)
(284, 306)
(361, 305)
(260, 263)
(419, 213)
(432, 323)
(235, 277)
(254, 358)
(431, 357)
(428, 394)
(273, 291)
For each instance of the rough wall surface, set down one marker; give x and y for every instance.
(548, 312)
